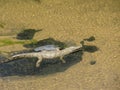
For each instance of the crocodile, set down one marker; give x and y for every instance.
(46, 48)
(49, 54)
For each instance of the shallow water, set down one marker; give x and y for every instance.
(65, 21)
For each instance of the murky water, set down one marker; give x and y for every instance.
(68, 21)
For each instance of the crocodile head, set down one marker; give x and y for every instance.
(74, 48)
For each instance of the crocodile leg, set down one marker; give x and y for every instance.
(63, 61)
(39, 61)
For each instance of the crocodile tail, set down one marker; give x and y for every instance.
(25, 55)
(14, 57)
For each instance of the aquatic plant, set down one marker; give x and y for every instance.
(6, 42)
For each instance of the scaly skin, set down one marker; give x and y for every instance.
(49, 54)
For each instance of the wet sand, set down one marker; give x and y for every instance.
(66, 21)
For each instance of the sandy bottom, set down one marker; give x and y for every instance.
(67, 21)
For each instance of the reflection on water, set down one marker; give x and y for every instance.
(48, 41)
(27, 34)
(26, 66)
(90, 49)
